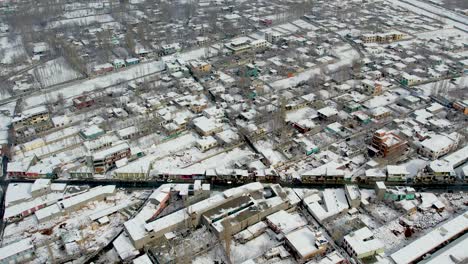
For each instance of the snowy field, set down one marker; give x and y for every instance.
(54, 72)
(82, 21)
(9, 49)
(80, 87)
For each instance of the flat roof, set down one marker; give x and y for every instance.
(360, 242)
(303, 241)
(15, 248)
(431, 240)
(454, 253)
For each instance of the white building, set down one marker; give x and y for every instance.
(17, 252)
(361, 244)
(438, 145)
(332, 202)
(415, 251)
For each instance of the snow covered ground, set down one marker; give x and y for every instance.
(54, 72)
(434, 12)
(11, 48)
(89, 85)
(82, 21)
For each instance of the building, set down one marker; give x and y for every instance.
(380, 190)
(438, 145)
(238, 207)
(132, 61)
(273, 36)
(206, 143)
(327, 113)
(330, 203)
(38, 117)
(399, 193)
(259, 44)
(361, 244)
(239, 45)
(83, 101)
(381, 37)
(353, 194)
(102, 68)
(387, 144)
(397, 173)
(18, 252)
(409, 79)
(283, 222)
(371, 87)
(306, 244)
(104, 159)
(95, 194)
(432, 241)
(91, 132)
(207, 126)
(461, 106)
(199, 66)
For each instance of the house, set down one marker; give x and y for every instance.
(273, 36)
(438, 145)
(83, 101)
(239, 45)
(132, 61)
(118, 63)
(91, 132)
(102, 68)
(397, 173)
(461, 106)
(327, 113)
(199, 66)
(387, 144)
(380, 112)
(371, 87)
(40, 187)
(283, 222)
(206, 143)
(362, 244)
(104, 159)
(409, 79)
(331, 203)
(171, 48)
(306, 243)
(380, 190)
(353, 194)
(259, 44)
(207, 126)
(438, 170)
(399, 193)
(36, 117)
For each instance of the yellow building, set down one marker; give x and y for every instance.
(198, 66)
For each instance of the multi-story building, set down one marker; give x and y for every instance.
(362, 244)
(83, 101)
(382, 37)
(387, 144)
(199, 66)
(38, 117)
(104, 159)
(438, 145)
(239, 45)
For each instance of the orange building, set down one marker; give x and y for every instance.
(385, 144)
